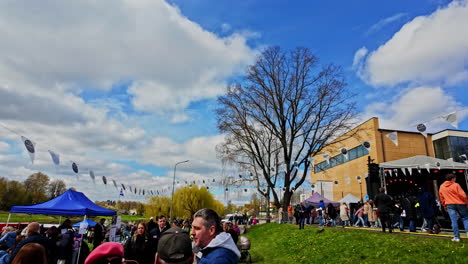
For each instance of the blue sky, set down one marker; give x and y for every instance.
(127, 89)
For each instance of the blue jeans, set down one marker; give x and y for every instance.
(453, 209)
(360, 219)
(321, 223)
(301, 222)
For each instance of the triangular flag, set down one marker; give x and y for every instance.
(427, 166)
(396, 172)
(419, 169)
(115, 184)
(121, 192)
(344, 151)
(393, 136)
(422, 129)
(74, 167)
(30, 147)
(390, 171)
(55, 157)
(410, 170)
(403, 171)
(464, 158)
(326, 156)
(451, 118)
(91, 174)
(367, 145)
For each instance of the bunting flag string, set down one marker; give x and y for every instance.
(91, 174)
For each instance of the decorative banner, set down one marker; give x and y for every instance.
(121, 192)
(393, 136)
(115, 184)
(427, 166)
(403, 171)
(419, 169)
(410, 170)
(91, 174)
(344, 151)
(390, 171)
(326, 156)
(451, 118)
(123, 186)
(422, 129)
(367, 145)
(396, 172)
(30, 147)
(55, 157)
(104, 180)
(74, 167)
(464, 158)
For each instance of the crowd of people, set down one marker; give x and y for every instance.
(388, 212)
(205, 239)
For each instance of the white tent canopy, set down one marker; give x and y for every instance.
(423, 162)
(349, 198)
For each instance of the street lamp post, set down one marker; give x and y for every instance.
(173, 181)
(360, 184)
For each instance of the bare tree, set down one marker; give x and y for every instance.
(284, 112)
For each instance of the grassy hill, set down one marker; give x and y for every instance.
(273, 243)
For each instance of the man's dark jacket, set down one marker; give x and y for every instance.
(48, 244)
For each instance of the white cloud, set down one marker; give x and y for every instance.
(384, 22)
(4, 147)
(414, 106)
(86, 45)
(429, 49)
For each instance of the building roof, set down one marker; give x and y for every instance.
(423, 162)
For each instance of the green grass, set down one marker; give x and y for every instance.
(54, 219)
(273, 243)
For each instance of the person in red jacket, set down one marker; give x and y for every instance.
(453, 198)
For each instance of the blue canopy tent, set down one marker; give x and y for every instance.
(90, 223)
(69, 203)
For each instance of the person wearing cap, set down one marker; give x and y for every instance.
(175, 246)
(186, 226)
(151, 224)
(109, 252)
(175, 223)
(215, 246)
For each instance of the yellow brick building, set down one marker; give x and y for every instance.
(338, 177)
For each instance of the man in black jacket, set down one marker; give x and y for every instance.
(33, 236)
(99, 231)
(155, 235)
(384, 204)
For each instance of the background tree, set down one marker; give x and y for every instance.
(188, 200)
(55, 188)
(285, 110)
(157, 205)
(36, 187)
(12, 193)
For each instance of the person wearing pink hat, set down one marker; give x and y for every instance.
(109, 252)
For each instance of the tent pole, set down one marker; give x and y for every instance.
(8, 220)
(60, 220)
(79, 248)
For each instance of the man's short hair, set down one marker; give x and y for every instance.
(175, 246)
(161, 217)
(33, 227)
(450, 176)
(211, 219)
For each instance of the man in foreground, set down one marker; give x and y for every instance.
(453, 198)
(384, 204)
(33, 236)
(215, 246)
(175, 246)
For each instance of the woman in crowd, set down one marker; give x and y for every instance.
(344, 214)
(137, 247)
(359, 213)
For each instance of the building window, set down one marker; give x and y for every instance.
(353, 153)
